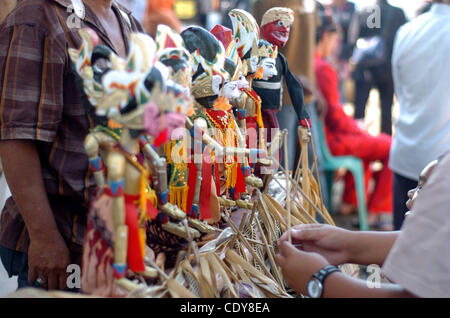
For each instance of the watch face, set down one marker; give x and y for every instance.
(314, 288)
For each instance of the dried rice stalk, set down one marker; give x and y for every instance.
(288, 187)
(267, 205)
(202, 226)
(233, 258)
(177, 290)
(179, 230)
(218, 266)
(208, 286)
(271, 253)
(248, 246)
(193, 284)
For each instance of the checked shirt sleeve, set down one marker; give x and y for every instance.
(31, 81)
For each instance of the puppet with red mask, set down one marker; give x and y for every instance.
(275, 27)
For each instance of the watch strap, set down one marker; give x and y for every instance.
(323, 273)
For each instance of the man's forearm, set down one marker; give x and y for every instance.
(367, 248)
(23, 173)
(339, 285)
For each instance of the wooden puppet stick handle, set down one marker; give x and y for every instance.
(288, 185)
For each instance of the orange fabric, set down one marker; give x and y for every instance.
(160, 12)
(155, 5)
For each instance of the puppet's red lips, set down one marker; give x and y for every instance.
(282, 36)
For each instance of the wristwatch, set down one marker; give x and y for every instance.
(315, 285)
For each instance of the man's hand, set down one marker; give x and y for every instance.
(48, 258)
(298, 266)
(331, 242)
(48, 255)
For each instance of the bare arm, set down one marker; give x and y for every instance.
(48, 255)
(299, 266)
(339, 285)
(23, 173)
(371, 247)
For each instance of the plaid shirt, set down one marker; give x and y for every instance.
(39, 101)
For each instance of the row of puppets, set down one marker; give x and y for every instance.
(178, 153)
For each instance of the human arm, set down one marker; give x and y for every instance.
(48, 255)
(341, 246)
(31, 103)
(298, 267)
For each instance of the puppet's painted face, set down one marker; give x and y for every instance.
(166, 114)
(276, 33)
(242, 82)
(162, 126)
(254, 64)
(269, 69)
(230, 90)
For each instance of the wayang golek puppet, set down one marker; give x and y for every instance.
(238, 72)
(275, 28)
(135, 96)
(214, 120)
(149, 204)
(258, 56)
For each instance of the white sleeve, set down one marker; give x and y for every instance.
(419, 261)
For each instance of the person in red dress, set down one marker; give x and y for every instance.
(346, 137)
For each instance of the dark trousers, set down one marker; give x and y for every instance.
(385, 87)
(401, 187)
(16, 264)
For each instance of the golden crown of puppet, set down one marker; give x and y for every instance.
(286, 15)
(265, 50)
(182, 77)
(203, 87)
(167, 101)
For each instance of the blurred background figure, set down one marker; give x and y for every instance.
(228, 5)
(345, 137)
(137, 7)
(425, 7)
(208, 11)
(160, 12)
(421, 72)
(372, 58)
(346, 17)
